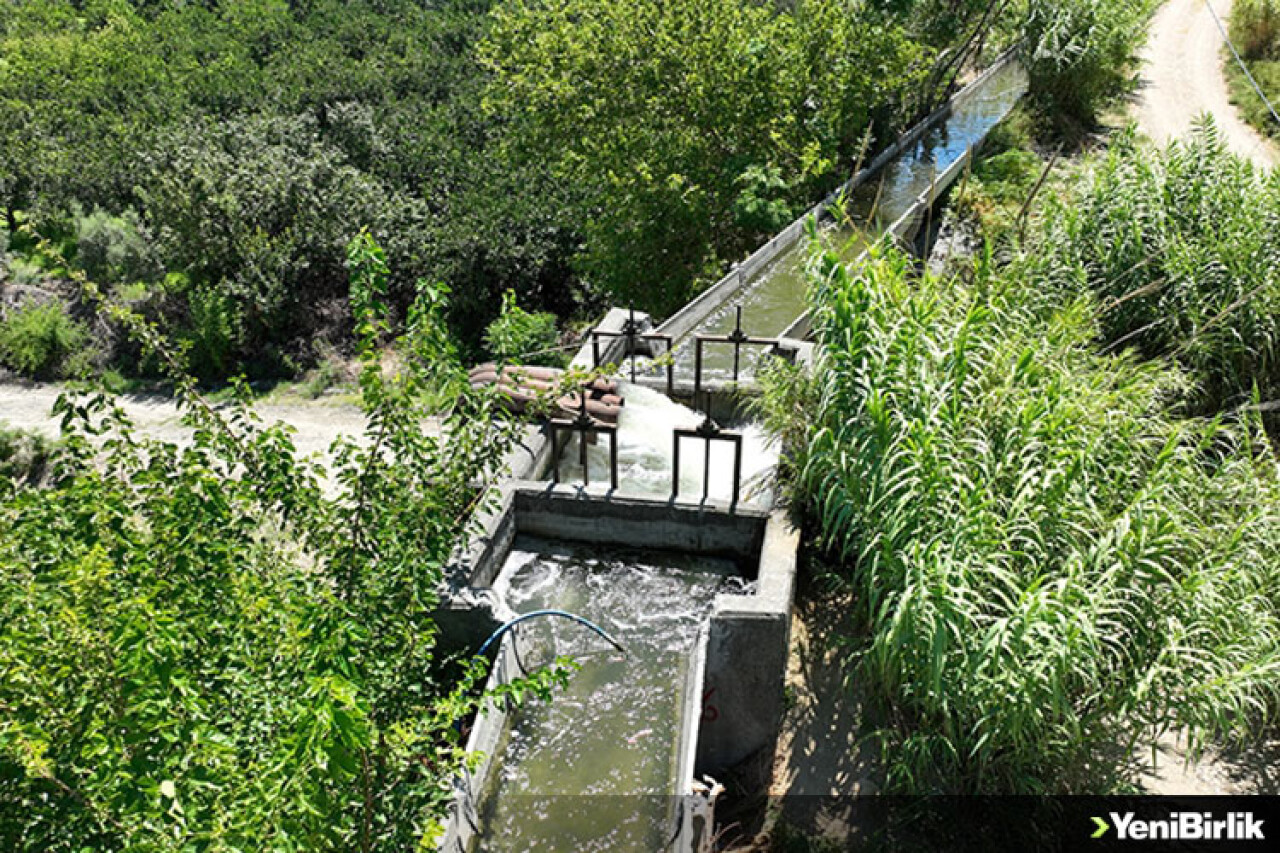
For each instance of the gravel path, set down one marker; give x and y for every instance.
(1183, 77)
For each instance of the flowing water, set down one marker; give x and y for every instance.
(646, 446)
(775, 297)
(595, 769)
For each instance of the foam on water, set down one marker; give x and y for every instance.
(646, 447)
(594, 770)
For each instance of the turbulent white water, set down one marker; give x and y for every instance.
(646, 445)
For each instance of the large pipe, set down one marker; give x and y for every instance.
(544, 375)
(521, 386)
(572, 404)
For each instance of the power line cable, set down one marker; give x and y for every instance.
(1240, 61)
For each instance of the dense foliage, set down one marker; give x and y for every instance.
(211, 160)
(239, 146)
(1182, 249)
(1255, 30)
(212, 647)
(1047, 563)
(681, 121)
(1080, 53)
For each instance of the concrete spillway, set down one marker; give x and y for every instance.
(700, 597)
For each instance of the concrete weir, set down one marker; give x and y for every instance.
(730, 693)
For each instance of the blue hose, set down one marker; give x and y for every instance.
(524, 616)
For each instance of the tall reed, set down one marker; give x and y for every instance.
(1182, 248)
(1046, 568)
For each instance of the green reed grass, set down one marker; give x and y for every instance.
(1046, 569)
(1182, 248)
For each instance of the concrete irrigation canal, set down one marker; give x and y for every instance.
(763, 299)
(653, 526)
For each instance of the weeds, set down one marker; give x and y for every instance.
(1181, 249)
(42, 341)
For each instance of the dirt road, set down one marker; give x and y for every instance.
(317, 423)
(1183, 77)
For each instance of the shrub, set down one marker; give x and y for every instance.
(1255, 28)
(42, 341)
(523, 337)
(24, 271)
(320, 379)
(996, 191)
(24, 455)
(210, 333)
(114, 249)
(1079, 52)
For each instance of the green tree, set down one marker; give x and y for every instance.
(260, 209)
(656, 110)
(204, 647)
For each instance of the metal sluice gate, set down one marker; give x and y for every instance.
(738, 339)
(708, 431)
(584, 425)
(631, 333)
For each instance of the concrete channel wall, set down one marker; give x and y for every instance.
(733, 695)
(747, 650)
(596, 517)
(711, 300)
(487, 741)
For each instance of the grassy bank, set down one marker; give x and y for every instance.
(1255, 30)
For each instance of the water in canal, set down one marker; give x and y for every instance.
(775, 297)
(595, 769)
(646, 450)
